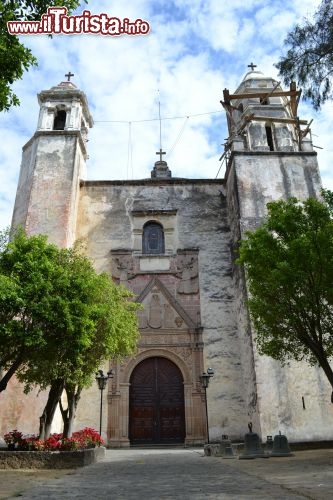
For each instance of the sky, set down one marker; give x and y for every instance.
(160, 89)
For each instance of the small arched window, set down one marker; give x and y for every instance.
(59, 120)
(153, 238)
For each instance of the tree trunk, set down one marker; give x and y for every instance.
(68, 414)
(6, 378)
(321, 357)
(317, 349)
(52, 401)
(323, 362)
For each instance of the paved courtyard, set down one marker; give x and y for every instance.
(179, 474)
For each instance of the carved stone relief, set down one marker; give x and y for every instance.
(187, 267)
(159, 313)
(161, 310)
(155, 311)
(163, 339)
(184, 352)
(179, 322)
(169, 319)
(143, 320)
(122, 267)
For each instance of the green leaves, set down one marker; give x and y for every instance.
(58, 315)
(15, 58)
(309, 58)
(289, 267)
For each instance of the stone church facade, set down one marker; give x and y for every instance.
(173, 242)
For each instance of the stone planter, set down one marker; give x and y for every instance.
(50, 459)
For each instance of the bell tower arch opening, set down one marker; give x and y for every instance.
(269, 136)
(59, 122)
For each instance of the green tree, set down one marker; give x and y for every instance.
(26, 268)
(64, 319)
(289, 268)
(309, 57)
(103, 325)
(15, 58)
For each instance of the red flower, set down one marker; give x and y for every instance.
(84, 438)
(13, 437)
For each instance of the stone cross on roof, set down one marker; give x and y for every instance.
(160, 152)
(69, 75)
(252, 66)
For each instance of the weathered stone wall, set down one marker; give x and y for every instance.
(264, 177)
(247, 367)
(47, 195)
(24, 186)
(294, 398)
(49, 459)
(106, 222)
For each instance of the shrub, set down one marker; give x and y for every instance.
(85, 438)
(53, 443)
(13, 437)
(29, 443)
(88, 438)
(69, 444)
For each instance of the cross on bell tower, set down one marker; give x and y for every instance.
(69, 75)
(252, 66)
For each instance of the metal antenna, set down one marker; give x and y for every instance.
(159, 117)
(160, 152)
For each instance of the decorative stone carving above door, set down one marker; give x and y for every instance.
(161, 309)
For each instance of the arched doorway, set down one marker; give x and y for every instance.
(156, 406)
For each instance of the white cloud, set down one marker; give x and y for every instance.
(194, 50)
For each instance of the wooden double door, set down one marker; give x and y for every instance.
(156, 407)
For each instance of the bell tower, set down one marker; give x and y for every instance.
(269, 149)
(53, 162)
(270, 157)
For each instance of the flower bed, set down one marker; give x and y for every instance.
(56, 452)
(85, 438)
(50, 459)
